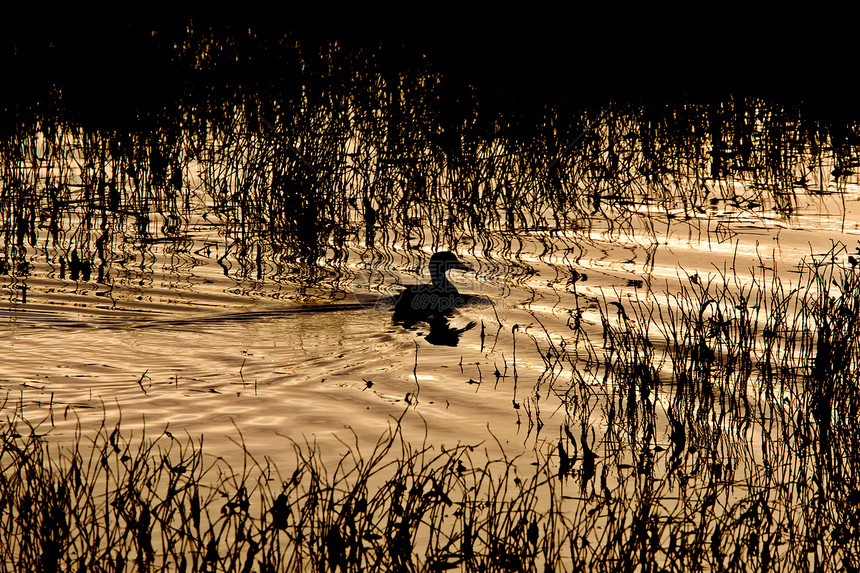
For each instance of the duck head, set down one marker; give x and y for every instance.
(441, 263)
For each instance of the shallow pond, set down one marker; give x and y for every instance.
(172, 339)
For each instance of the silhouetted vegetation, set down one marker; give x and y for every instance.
(726, 437)
(354, 160)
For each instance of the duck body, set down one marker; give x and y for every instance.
(439, 298)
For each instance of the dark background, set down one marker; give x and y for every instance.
(101, 63)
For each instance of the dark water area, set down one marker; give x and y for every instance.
(206, 228)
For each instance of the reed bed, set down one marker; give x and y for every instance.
(111, 504)
(757, 385)
(387, 157)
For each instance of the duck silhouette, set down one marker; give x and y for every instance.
(430, 303)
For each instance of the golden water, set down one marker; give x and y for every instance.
(176, 343)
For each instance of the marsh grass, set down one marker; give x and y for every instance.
(112, 504)
(325, 151)
(757, 382)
